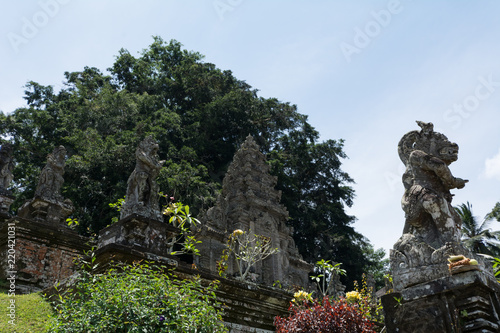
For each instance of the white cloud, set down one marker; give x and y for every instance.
(492, 167)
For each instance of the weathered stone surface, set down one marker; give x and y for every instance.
(140, 233)
(48, 205)
(432, 227)
(142, 196)
(44, 253)
(250, 202)
(464, 302)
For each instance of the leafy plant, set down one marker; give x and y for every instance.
(247, 249)
(180, 217)
(327, 316)
(368, 305)
(327, 272)
(137, 298)
(118, 207)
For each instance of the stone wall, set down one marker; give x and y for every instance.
(44, 254)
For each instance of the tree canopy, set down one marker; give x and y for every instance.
(199, 114)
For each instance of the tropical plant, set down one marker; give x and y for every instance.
(327, 273)
(495, 213)
(476, 235)
(180, 217)
(137, 298)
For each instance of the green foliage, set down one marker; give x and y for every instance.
(495, 213)
(200, 115)
(137, 298)
(368, 304)
(476, 235)
(180, 217)
(327, 272)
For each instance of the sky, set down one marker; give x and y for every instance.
(362, 71)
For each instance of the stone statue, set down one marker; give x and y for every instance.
(48, 205)
(142, 196)
(428, 181)
(6, 166)
(51, 178)
(432, 227)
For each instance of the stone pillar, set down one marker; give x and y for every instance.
(136, 238)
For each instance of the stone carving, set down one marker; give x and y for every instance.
(432, 227)
(142, 191)
(6, 166)
(250, 202)
(6, 177)
(48, 204)
(51, 178)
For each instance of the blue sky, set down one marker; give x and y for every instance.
(362, 71)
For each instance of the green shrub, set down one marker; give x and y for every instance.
(137, 298)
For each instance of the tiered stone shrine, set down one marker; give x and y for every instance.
(250, 202)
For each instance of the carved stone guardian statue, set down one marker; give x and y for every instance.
(432, 227)
(48, 204)
(142, 196)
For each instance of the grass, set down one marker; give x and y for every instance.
(31, 313)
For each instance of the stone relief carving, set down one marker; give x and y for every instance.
(432, 227)
(142, 196)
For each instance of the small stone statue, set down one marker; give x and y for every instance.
(51, 178)
(6, 166)
(142, 191)
(48, 205)
(432, 227)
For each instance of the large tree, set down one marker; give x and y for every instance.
(199, 114)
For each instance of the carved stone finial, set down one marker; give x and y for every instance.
(432, 227)
(142, 196)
